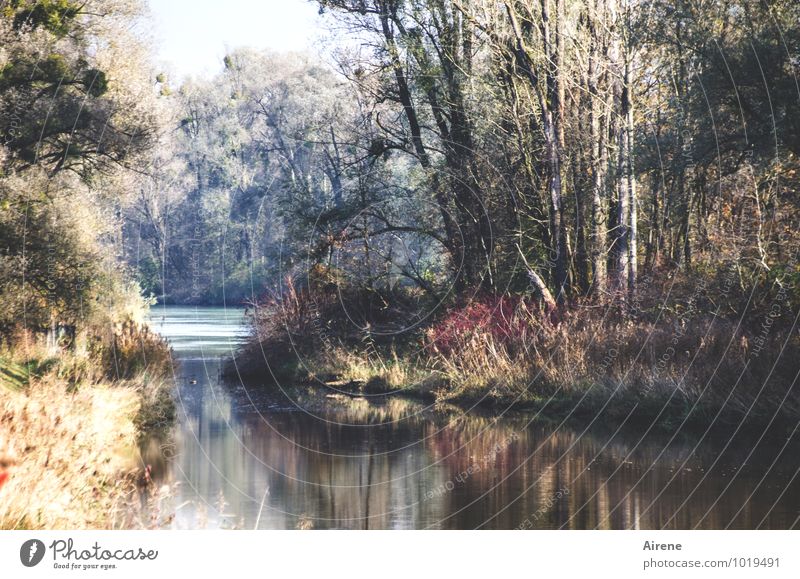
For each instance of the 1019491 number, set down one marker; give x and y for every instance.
(756, 562)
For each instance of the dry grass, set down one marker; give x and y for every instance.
(69, 453)
(69, 430)
(705, 365)
(378, 373)
(691, 343)
(129, 349)
(683, 362)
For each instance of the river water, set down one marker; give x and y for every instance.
(253, 457)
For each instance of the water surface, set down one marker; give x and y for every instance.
(256, 457)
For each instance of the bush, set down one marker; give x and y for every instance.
(503, 319)
(130, 349)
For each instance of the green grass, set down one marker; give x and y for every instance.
(14, 377)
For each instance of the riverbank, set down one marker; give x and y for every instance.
(692, 397)
(70, 424)
(322, 457)
(680, 355)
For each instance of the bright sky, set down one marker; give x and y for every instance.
(194, 35)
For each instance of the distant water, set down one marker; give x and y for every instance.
(203, 332)
(255, 457)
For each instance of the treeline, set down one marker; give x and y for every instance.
(578, 149)
(604, 137)
(79, 114)
(473, 146)
(81, 379)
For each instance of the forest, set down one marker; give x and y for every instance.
(537, 202)
(575, 206)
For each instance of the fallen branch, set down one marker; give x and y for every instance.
(539, 287)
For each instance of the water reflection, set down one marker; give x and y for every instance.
(245, 458)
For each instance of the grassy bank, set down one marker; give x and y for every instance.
(690, 349)
(70, 422)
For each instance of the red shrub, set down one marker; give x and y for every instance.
(502, 318)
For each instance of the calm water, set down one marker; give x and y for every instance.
(250, 457)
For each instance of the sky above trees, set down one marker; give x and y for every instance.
(193, 36)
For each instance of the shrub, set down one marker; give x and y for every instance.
(129, 349)
(505, 320)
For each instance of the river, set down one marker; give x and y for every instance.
(257, 457)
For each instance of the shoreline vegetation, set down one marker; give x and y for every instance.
(665, 360)
(71, 420)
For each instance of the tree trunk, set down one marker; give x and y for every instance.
(627, 209)
(622, 244)
(630, 175)
(654, 235)
(598, 129)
